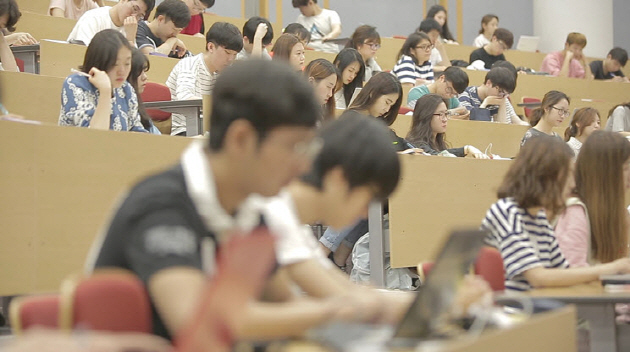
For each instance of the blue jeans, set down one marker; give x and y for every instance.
(349, 235)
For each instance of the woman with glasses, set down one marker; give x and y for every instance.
(428, 129)
(552, 112)
(366, 41)
(413, 66)
(352, 69)
(584, 122)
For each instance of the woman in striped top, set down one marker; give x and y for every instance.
(533, 191)
(413, 66)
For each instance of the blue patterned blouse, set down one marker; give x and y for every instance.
(79, 98)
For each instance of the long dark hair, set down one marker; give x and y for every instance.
(410, 43)
(583, 117)
(551, 98)
(421, 131)
(346, 57)
(139, 64)
(446, 33)
(103, 50)
(320, 69)
(382, 83)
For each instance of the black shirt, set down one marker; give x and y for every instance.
(597, 68)
(144, 37)
(482, 54)
(156, 227)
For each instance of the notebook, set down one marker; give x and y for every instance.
(527, 43)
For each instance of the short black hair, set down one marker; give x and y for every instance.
(249, 29)
(226, 35)
(299, 3)
(299, 30)
(174, 10)
(11, 8)
(620, 55)
(457, 77)
(509, 66)
(362, 147)
(208, 3)
(150, 5)
(501, 77)
(428, 25)
(103, 50)
(267, 94)
(505, 36)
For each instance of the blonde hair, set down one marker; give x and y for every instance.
(576, 38)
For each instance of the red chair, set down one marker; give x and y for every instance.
(108, 300)
(403, 37)
(20, 64)
(489, 265)
(403, 110)
(526, 110)
(27, 312)
(156, 92)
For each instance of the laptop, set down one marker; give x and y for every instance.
(427, 315)
(527, 43)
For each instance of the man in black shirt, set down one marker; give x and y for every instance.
(168, 228)
(502, 39)
(160, 35)
(610, 68)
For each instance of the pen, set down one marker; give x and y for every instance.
(73, 70)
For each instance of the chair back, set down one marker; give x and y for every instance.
(526, 110)
(108, 300)
(489, 265)
(156, 92)
(31, 311)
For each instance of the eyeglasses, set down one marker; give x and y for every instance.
(502, 92)
(426, 47)
(503, 45)
(562, 112)
(137, 12)
(373, 46)
(450, 90)
(444, 116)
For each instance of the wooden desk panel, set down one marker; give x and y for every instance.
(34, 6)
(36, 97)
(58, 186)
(387, 55)
(45, 27)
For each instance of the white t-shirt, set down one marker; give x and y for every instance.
(190, 79)
(295, 242)
(243, 55)
(91, 23)
(480, 41)
(319, 26)
(435, 58)
(70, 10)
(371, 67)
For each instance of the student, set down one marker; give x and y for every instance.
(257, 35)
(196, 26)
(552, 111)
(194, 77)
(302, 33)
(72, 9)
(99, 96)
(594, 226)
(160, 35)
(261, 131)
(323, 75)
(610, 68)
(413, 66)
(123, 17)
(9, 10)
(489, 23)
(439, 56)
(502, 39)
(381, 97)
(584, 122)
(619, 119)
(323, 24)
(289, 48)
(488, 102)
(448, 85)
(569, 62)
(366, 41)
(438, 13)
(511, 116)
(138, 79)
(350, 66)
(428, 129)
(534, 190)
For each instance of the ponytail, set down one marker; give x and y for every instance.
(537, 114)
(571, 131)
(551, 98)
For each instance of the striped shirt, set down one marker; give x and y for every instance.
(524, 241)
(190, 79)
(407, 71)
(471, 101)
